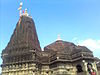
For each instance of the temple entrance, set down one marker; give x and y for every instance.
(79, 68)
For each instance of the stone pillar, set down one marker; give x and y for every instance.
(95, 67)
(33, 73)
(85, 67)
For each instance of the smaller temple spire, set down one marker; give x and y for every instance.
(58, 38)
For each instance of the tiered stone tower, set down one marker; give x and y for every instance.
(19, 57)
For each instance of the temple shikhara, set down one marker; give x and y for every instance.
(23, 54)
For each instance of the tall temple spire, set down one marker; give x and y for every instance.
(26, 33)
(24, 36)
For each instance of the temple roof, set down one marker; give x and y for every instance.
(69, 49)
(81, 49)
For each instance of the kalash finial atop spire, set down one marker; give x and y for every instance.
(58, 38)
(20, 10)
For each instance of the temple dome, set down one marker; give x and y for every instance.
(66, 47)
(61, 46)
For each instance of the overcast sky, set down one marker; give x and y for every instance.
(76, 21)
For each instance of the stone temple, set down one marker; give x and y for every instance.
(23, 54)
